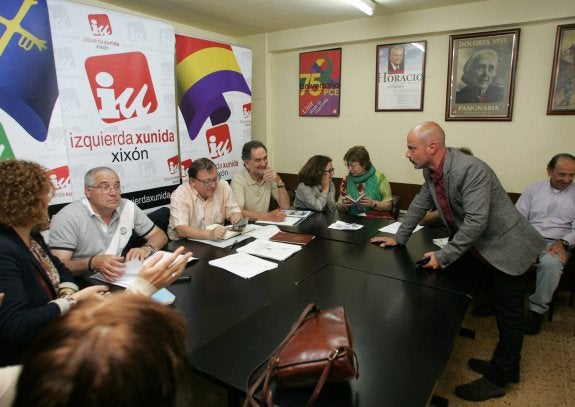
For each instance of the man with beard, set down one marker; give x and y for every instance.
(254, 187)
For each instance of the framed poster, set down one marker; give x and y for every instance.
(562, 89)
(319, 82)
(400, 76)
(481, 75)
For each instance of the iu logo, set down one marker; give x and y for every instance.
(247, 108)
(60, 177)
(100, 24)
(219, 141)
(186, 166)
(121, 85)
(173, 163)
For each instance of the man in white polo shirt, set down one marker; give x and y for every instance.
(91, 233)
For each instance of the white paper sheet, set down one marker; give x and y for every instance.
(394, 227)
(243, 264)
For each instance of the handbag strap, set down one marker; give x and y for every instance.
(324, 374)
(264, 378)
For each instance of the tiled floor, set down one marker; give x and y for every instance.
(547, 366)
(547, 369)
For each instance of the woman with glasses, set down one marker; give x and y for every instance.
(316, 190)
(37, 287)
(364, 190)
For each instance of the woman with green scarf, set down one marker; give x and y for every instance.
(364, 190)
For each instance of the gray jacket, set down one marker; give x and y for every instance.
(485, 216)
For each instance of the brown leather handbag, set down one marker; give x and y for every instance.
(317, 350)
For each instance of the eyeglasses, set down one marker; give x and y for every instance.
(208, 182)
(351, 164)
(331, 170)
(106, 188)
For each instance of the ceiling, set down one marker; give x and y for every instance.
(238, 18)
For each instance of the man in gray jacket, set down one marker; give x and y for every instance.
(483, 225)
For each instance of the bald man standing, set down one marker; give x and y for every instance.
(485, 228)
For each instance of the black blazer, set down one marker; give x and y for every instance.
(26, 309)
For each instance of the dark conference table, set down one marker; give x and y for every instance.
(399, 262)
(403, 334)
(215, 299)
(403, 326)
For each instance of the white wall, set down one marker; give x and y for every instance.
(517, 150)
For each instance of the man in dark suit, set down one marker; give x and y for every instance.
(395, 62)
(484, 227)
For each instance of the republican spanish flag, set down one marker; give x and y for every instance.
(205, 71)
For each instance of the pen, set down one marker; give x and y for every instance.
(234, 244)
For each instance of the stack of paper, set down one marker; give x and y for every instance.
(243, 264)
(271, 250)
(133, 268)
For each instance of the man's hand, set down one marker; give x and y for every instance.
(161, 272)
(384, 241)
(432, 263)
(276, 216)
(271, 175)
(218, 232)
(138, 253)
(235, 217)
(557, 249)
(111, 267)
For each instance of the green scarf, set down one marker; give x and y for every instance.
(370, 187)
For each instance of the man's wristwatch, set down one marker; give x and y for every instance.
(565, 243)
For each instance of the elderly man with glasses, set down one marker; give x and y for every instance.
(199, 207)
(92, 233)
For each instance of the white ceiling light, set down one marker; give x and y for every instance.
(367, 6)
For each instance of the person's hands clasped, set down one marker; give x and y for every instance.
(557, 249)
(161, 272)
(111, 267)
(384, 241)
(271, 175)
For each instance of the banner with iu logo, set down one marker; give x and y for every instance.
(214, 98)
(117, 95)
